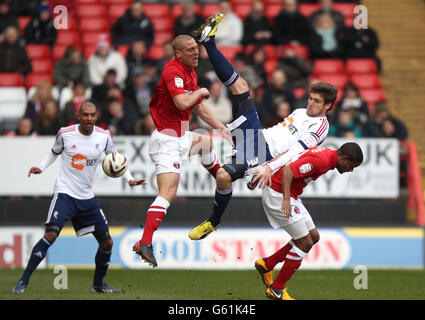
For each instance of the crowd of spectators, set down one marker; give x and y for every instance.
(121, 85)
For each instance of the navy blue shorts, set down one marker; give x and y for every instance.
(251, 148)
(86, 215)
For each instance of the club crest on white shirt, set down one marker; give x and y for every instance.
(306, 168)
(178, 82)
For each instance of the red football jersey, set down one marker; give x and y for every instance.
(309, 166)
(176, 78)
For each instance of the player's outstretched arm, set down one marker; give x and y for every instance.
(133, 183)
(34, 170)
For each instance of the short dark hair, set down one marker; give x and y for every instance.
(326, 90)
(353, 151)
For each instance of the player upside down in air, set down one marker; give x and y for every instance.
(275, 146)
(284, 209)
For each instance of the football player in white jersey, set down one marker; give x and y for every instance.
(302, 129)
(80, 145)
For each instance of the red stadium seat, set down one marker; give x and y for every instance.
(242, 10)
(88, 51)
(22, 22)
(112, 2)
(33, 79)
(339, 80)
(90, 38)
(115, 11)
(299, 92)
(301, 51)
(162, 37)
(354, 66)
(94, 24)
(306, 9)
(68, 38)
(156, 10)
(272, 10)
(346, 9)
(349, 21)
(123, 49)
(230, 51)
(37, 51)
(332, 66)
(176, 10)
(41, 66)
(366, 81)
(58, 52)
(81, 2)
(270, 66)
(371, 96)
(236, 2)
(91, 10)
(156, 52)
(210, 9)
(11, 79)
(270, 50)
(162, 24)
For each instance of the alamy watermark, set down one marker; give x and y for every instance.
(361, 281)
(61, 281)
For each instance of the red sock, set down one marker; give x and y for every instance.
(292, 262)
(213, 166)
(278, 256)
(154, 218)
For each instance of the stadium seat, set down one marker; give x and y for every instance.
(58, 52)
(81, 2)
(346, 9)
(90, 38)
(339, 80)
(176, 10)
(156, 10)
(68, 38)
(156, 52)
(306, 9)
(94, 24)
(272, 10)
(112, 2)
(209, 9)
(42, 66)
(66, 95)
(91, 10)
(366, 81)
(354, 66)
(349, 21)
(371, 96)
(32, 79)
(13, 102)
(270, 50)
(321, 66)
(22, 22)
(299, 92)
(301, 51)
(230, 51)
(123, 49)
(162, 24)
(38, 51)
(242, 10)
(236, 2)
(11, 79)
(88, 51)
(162, 37)
(115, 11)
(270, 66)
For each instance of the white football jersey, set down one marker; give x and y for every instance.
(80, 155)
(298, 126)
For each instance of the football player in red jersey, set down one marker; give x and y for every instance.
(284, 209)
(176, 95)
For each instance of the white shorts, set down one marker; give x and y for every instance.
(168, 152)
(298, 225)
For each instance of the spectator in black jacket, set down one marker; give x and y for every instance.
(13, 56)
(189, 20)
(6, 17)
(133, 25)
(40, 28)
(257, 29)
(291, 26)
(326, 6)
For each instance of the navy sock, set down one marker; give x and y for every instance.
(221, 199)
(102, 263)
(37, 255)
(223, 68)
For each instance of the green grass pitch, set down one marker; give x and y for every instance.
(218, 285)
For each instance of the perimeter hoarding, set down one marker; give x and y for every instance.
(378, 176)
(238, 248)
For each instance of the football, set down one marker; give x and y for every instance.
(114, 165)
